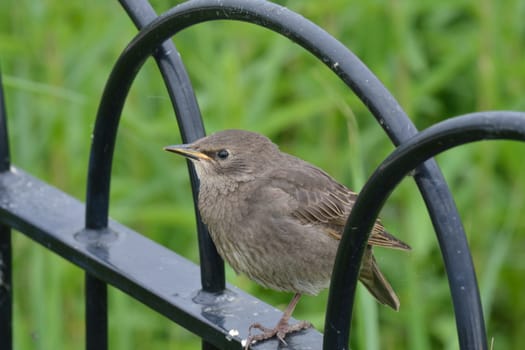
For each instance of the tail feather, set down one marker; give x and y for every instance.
(380, 237)
(376, 283)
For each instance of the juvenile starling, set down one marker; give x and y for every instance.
(278, 219)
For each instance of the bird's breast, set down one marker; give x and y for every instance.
(222, 208)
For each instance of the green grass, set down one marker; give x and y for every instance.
(439, 59)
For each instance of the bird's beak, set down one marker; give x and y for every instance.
(187, 151)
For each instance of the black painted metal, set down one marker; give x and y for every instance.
(142, 268)
(354, 73)
(426, 144)
(6, 289)
(4, 141)
(6, 284)
(96, 308)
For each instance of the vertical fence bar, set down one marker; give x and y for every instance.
(5, 162)
(191, 128)
(6, 287)
(96, 313)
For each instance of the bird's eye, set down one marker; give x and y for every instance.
(223, 154)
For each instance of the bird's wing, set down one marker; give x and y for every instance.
(320, 200)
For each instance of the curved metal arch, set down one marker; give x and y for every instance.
(426, 144)
(279, 19)
(5, 161)
(340, 60)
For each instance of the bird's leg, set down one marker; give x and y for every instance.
(281, 329)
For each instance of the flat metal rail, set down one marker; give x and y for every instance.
(144, 269)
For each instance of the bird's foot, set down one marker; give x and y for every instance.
(280, 331)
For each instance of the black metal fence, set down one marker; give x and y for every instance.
(114, 254)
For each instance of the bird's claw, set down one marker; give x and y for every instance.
(280, 331)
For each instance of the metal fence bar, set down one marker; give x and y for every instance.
(6, 285)
(6, 289)
(191, 128)
(189, 119)
(96, 308)
(4, 140)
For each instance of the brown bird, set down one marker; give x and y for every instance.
(278, 219)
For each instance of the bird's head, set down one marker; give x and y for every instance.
(229, 155)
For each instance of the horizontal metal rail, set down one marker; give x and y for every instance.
(142, 268)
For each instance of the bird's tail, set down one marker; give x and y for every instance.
(375, 282)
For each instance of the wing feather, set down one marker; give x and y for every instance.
(320, 200)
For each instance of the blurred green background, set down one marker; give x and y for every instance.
(439, 59)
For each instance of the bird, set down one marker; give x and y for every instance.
(278, 219)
